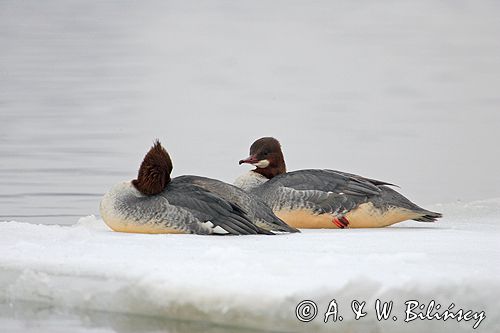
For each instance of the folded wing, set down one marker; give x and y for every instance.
(322, 191)
(207, 207)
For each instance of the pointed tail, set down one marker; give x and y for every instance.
(429, 217)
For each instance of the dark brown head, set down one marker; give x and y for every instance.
(154, 173)
(266, 155)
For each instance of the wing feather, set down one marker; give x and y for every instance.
(207, 206)
(322, 191)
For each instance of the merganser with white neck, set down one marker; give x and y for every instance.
(324, 198)
(155, 203)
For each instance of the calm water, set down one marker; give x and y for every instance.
(403, 91)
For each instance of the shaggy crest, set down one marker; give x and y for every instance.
(154, 173)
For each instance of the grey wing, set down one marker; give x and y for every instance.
(361, 178)
(322, 191)
(320, 202)
(326, 181)
(254, 206)
(209, 207)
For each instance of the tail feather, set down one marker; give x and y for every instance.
(429, 216)
(389, 197)
(276, 224)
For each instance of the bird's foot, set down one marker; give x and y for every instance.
(341, 222)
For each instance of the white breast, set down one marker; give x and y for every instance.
(109, 207)
(249, 180)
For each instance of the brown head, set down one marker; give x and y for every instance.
(154, 173)
(267, 157)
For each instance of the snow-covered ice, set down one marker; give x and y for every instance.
(257, 281)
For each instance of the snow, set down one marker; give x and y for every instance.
(257, 281)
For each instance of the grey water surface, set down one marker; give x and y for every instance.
(403, 91)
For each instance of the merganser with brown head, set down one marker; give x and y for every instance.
(324, 198)
(155, 203)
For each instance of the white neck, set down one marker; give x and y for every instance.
(249, 180)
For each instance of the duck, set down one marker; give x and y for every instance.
(155, 203)
(324, 198)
